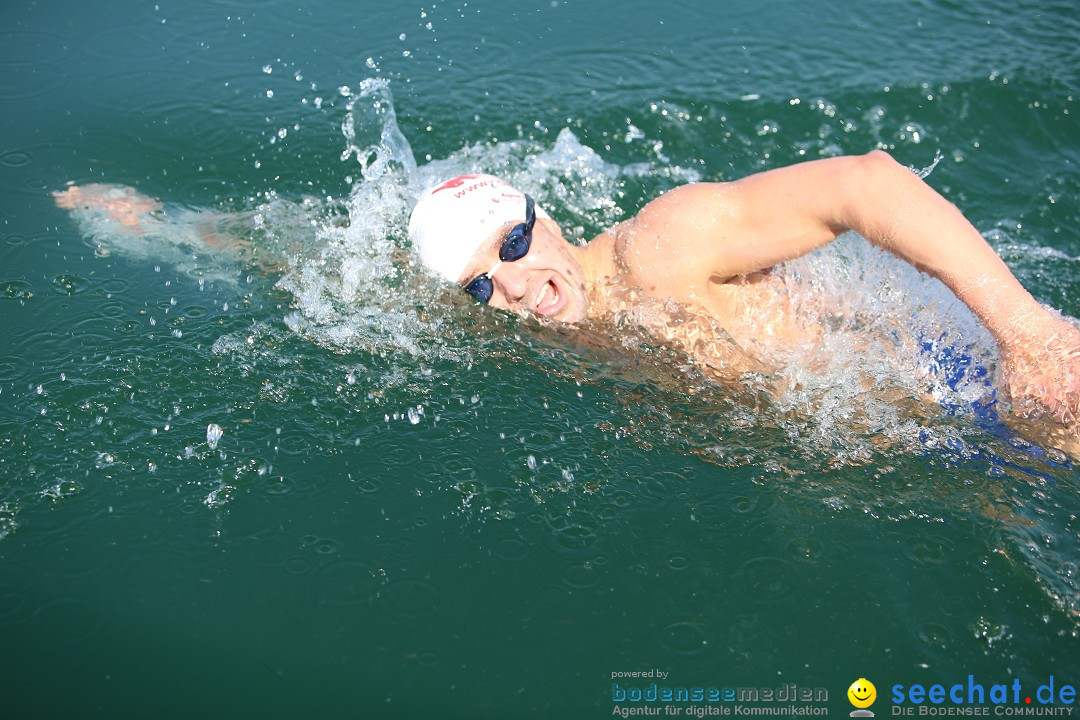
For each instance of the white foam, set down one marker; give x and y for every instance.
(356, 288)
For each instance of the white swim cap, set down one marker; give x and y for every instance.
(452, 220)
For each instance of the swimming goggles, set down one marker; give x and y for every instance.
(514, 247)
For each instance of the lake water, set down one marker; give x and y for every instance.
(302, 480)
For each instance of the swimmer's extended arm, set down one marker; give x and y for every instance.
(724, 230)
(736, 228)
(118, 210)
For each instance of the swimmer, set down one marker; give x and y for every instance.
(710, 248)
(695, 266)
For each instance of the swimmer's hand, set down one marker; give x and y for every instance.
(1041, 368)
(118, 211)
(125, 206)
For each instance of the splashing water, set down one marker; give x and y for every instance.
(896, 371)
(356, 286)
(890, 337)
(377, 117)
(213, 435)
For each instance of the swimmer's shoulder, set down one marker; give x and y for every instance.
(667, 242)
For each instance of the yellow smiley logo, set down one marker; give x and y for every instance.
(862, 693)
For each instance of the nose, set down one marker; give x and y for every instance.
(512, 280)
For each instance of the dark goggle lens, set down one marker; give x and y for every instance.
(481, 288)
(516, 244)
(514, 247)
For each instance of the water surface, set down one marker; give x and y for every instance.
(421, 508)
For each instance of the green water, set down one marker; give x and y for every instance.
(419, 508)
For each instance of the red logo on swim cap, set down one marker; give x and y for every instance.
(455, 183)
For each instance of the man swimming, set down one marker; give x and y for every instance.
(694, 267)
(709, 248)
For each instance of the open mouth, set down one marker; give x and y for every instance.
(549, 300)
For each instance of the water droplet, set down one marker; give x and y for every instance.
(213, 435)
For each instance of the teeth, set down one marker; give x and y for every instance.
(547, 298)
(543, 296)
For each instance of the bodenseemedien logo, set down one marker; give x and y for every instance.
(862, 694)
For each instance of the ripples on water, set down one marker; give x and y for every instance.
(814, 429)
(412, 356)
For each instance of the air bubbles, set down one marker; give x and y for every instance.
(7, 519)
(911, 132)
(767, 127)
(823, 106)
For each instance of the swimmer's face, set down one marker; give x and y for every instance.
(547, 282)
